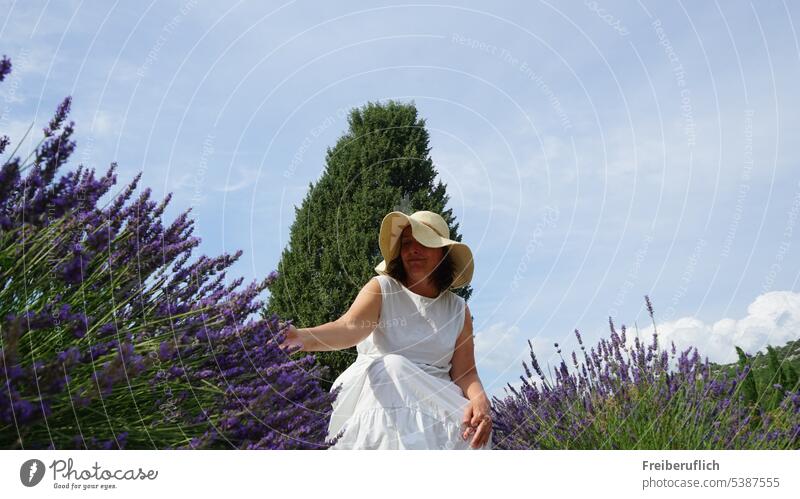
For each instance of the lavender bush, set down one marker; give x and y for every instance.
(111, 337)
(622, 396)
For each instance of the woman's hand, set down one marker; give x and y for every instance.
(477, 421)
(293, 340)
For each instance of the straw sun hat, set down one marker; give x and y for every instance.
(430, 230)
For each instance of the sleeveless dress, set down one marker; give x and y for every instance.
(398, 393)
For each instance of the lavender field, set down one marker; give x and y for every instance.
(623, 394)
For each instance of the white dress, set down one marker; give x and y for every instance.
(398, 393)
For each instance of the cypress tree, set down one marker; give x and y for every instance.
(792, 378)
(776, 375)
(382, 163)
(748, 388)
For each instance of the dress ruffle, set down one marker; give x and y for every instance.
(380, 428)
(390, 402)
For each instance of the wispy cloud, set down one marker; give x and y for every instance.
(242, 179)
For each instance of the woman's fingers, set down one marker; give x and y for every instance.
(476, 419)
(469, 430)
(287, 341)
(288, 345)
(467, 419)
(481, 434)
(292, 341)
(466, 422)
(291, 346)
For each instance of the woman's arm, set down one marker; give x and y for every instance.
(462, 370)
(477, 420)
(348, 330)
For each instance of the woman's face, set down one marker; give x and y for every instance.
(418, 260)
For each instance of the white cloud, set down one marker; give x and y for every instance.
(772, 319)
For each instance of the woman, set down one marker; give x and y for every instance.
(414, 384)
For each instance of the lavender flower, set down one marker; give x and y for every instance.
(5, 67)
(649, 305)
(117, 325)
(58, 119)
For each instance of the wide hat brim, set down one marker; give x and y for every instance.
(392, 227)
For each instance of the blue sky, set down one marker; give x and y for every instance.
(594, 151)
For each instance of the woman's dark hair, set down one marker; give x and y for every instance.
(442, 275)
